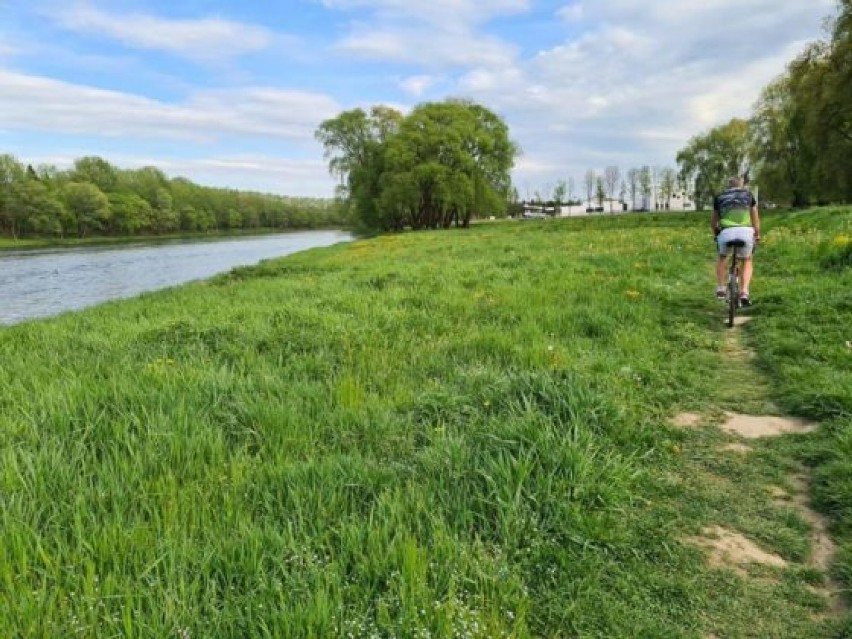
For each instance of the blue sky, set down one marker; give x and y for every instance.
(230, 94)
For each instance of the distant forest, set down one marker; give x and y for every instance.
(97, 198)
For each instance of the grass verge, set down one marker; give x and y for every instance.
(455, 434)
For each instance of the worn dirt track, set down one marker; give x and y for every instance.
(730, 549)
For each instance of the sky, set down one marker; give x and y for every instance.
(231, 93)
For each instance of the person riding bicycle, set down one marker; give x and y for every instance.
(735, 217)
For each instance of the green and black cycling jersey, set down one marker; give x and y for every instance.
(734, 207)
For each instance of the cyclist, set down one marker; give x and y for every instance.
(735, 217)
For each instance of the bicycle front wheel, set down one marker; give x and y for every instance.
(733, 299)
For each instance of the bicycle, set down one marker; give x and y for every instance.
(733, 290)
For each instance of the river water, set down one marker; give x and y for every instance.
(44, 282)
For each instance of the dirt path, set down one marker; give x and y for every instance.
(728, 548)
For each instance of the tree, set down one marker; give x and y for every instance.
(47, 174)
(590, 179)
(711, 158)
(781, 149)
(612, 174)
(493, 154)
(560, 193)
(444, 163)
(164, 217)
(513, 203)
(42, 201)
(145, 182)
(655, 188)
(11, 174)
(668, 181)
(35, 209)
(799, 138)
(802, 123)
(96, 171)
(645, 187)
(633, 185)
(130, 213)
(88, 206)
(600, 191)
(354, 146)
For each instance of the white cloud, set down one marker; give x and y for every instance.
(428, 48)
(438, 34)
(199, 39)
(44, 104)
(417, 85)
(571, 12)
(640, 79)
(627, 84)
(251, 172)
(437, 12)
(264, 173)
(10, 44)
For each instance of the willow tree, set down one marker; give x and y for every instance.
(354, 144)
(444, 163)
(710, 158)
(782, 151)
(802, 123)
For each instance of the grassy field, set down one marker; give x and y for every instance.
(453, 434)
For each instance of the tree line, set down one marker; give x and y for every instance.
(97, 198)
(444, 163)
(798, 141)
(640, 188)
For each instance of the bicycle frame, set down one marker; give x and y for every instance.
(733, 292)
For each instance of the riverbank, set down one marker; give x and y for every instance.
(9, 244)
(459, 433)
(45, 282)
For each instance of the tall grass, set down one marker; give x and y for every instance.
(457, 434)
(805, 340)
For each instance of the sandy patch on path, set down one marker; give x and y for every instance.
(737, 448)
(754, 426)
(779, 495)
(686, 420)
(823, 548)
(741, 320)
(730, 549)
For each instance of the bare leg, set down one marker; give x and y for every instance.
(722, 271)
(747, 270)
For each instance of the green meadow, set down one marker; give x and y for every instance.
(438, 434)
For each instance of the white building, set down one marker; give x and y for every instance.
(679, 201)
(578, 210)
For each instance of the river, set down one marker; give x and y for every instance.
(45, 282)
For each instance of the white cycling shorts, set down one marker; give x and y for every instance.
(732, 233)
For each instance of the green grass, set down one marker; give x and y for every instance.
(8, 243)
(805, 339)
(454, 434)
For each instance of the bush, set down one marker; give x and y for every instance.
(837, 253)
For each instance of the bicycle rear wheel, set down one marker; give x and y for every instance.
(733, 294)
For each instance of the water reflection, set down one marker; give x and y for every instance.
(40, 283)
